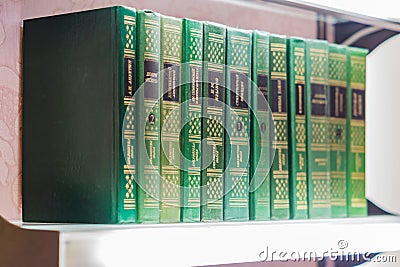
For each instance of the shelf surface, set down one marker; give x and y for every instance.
(200, 244)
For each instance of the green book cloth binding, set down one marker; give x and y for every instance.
(278, 103)
(356, 201)
(171, 57)
(148, 82)
(79, 80)
(214, 42)
(260, 121)
(191, 93)
(237, 119)
(338, 77)
(319, 197)
(297, 128)
(128, 186)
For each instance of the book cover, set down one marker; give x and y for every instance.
(319, 198)
(171, 57)
(214, 49)
(260, 122)
(337, 128)
(356, 201)
(279, 108)
(148, 95)
(191, 93)
(297, 128)
(78, 155)
(237, 120)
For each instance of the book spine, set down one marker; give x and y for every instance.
(317, 130)
(191, 93)
(260, 121)
(212, 130)
(356, 201)
(337, 128)
(127, 65)
(278, 104)
(171, 57)
(237, 121)
(297, 129)
(148, 118)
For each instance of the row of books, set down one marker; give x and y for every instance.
(280, 134)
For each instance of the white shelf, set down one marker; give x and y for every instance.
(218, 243)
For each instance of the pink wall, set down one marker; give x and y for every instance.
(246, 14)
(10, 108)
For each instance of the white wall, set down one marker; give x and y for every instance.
(383, 125)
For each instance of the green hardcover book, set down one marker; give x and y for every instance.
(148, 95)
(337, 128)
(356, 201)
(191, 93)
(260, 121)
(78, 154)
(319, 199)
(279, 108)
(171, 57)
(237, 120)
(213, 115)
(297, 128)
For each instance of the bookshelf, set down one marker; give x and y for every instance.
(203, 244)
(221, 243)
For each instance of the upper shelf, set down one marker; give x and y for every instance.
(335, 25)
(339, 14)
(202, 244)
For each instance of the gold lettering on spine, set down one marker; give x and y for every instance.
(151, 77)
(301, 162)
(195, 77)
(336, 101)
(215, 88)
(238, 156)
(319, 99)
(128, 152)
(338, 161)
(130, 77)
(279, 82)
(280, 159)
(360, 105)
(300, 97)
(171, 82)
(321, 161)
(151, 156)
(341, 105)
(237, 90)
(195, 155)
(354, 104)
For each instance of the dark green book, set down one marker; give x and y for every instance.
(297, 128)
(279, 108)
(171, 57)
(237, 120)
(319, 197)
(356, 201)
(148, 95)
(191, 93)
(213, 115)
(260, 122)
(78, 154)
(337, 128)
